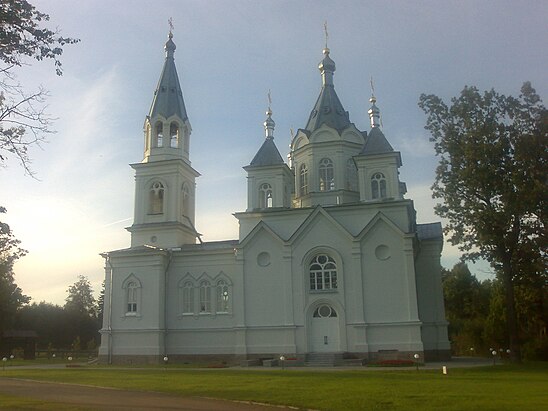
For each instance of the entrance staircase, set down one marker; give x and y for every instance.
(327, 359)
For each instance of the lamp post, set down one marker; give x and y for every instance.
(416, 357)
(165, 362)
(282, 360)
(494, 354)
(4, 360)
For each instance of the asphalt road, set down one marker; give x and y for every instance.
(93, 398)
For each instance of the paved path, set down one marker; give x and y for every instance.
(94, 398)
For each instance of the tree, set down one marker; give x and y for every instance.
(11, 296)
(467, 304)
(23, 120)
(80, 298)
(491, 177)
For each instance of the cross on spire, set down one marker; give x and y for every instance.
(326, 33)
(171, 27)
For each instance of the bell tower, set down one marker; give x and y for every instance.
(165, 181)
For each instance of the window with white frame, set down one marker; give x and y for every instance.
(174, 135)
(132, 291)
(378, 185)
(303, 180)
(187, 303)
(265, 195)
(186, 199)
(351, 175)
(223, 296)
(156, 198)
(159, 140)
(323, 273)
(205, 297)
(327, 176)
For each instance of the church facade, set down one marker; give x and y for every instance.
(329, 259)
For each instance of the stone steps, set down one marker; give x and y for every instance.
(324, 359)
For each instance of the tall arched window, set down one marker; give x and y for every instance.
(323, 273)
(186, 199)
(265, 196)
(205, 297)
(156, 198)
(351, 175)
(174, 135)
(159, 135)
(222, 296)
(132, 296)
(303, 180)
(378, 185)
(327, 180)
(188, 298)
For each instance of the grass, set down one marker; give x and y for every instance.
(505, 387)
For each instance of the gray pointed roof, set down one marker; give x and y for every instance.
(376, 143)
(268, 154)
(328, 108)
(168, 97)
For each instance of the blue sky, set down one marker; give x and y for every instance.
(229, 54)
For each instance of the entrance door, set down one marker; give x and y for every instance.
(324, 329)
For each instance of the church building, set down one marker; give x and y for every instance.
(330, 262)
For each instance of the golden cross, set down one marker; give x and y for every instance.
(269, 100)
(326, 33)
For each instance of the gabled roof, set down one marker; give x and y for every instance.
(168, 96)
(268, 155)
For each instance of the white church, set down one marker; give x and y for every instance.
(330, 262)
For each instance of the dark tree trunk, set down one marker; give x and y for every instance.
(511, 316)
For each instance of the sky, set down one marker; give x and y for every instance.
(229, 55)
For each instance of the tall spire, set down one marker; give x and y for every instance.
(328, 108)
(168, 97)
(374, 112)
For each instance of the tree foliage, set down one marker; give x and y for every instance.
(23, 120)
(493, 163)
(11, 296)
(80, 298)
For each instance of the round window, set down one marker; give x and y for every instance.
(263, 259)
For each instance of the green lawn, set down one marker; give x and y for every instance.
(505, 387)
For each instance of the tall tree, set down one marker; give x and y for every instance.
(492, 179)
(23, 120)
(80, 298)
(11, 296)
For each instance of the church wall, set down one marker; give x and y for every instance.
(148, 271)
(265, 274)
(430, 300)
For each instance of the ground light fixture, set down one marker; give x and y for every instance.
(416, 357)
(282, 360)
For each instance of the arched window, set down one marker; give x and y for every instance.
(132, 294)
(156, 198)
(303, 180)
(324, 311)
(205, 297)
(223, 296)
(174, 135)
(323, 273)
(265, 196)
(327, 180)
(351, 175)
(186, 199)
(378, 186)
(159, 134)
(187, 303)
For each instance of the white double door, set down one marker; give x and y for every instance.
(324, 331)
